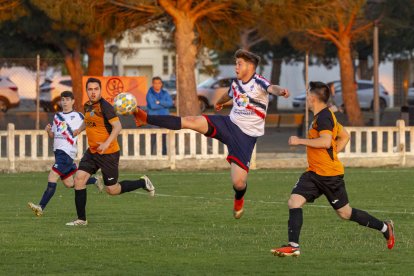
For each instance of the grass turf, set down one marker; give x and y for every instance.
(189, 229)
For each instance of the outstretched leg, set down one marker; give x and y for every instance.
(363, 218)
(197, 123)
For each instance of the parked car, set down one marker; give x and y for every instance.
(9, 96)
(170, 86)
(50, 91)
(410, 97)
(209, 91)
(365, 96)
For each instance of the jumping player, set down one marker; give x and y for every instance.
(325, 174)
(102, 128)
(240, 130)
(65, 150)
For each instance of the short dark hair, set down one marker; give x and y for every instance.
(247, 56)
(67, 94)
(156, 78)
(90, 80)
(320, 89)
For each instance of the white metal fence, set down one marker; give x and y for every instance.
(381, 142)
(373, 143)
(135, 144)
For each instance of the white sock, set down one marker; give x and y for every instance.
(294, 244)
(384, 228)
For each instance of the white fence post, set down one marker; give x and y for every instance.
(10, 147)
(171, 148)
(253, 164)
(401, 141)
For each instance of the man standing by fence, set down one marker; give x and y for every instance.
(158, 103)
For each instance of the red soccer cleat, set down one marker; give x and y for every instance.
(140, 117)
(238, 208)
(391, 237)
(286, 250)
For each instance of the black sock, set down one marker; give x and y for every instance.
(239, 193)
(365, 219)
(80, 202)
(165, 121)
(48, 194)
(295, 224)
(131, 185)
(91, 180)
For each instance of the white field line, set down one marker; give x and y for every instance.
(6, 175)
(272, 203)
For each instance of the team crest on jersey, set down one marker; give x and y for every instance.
(92, 113)
(72, 117)
(242, 100)
(61, 126)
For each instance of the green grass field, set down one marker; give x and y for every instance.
(189, 229)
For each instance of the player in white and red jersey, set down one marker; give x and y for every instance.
(65, 150)
(240, 130)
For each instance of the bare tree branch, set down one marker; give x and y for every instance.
(362, 28)
(170, 8)
(7, 4)
(199, 7)
(208, 10)
(138, 7)
(326, 36)
(352, 19)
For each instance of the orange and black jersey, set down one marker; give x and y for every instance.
(324, 161)
(98, 118)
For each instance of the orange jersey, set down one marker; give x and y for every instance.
(98, 118)
(323, 161)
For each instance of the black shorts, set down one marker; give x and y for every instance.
(108, 163)
(311, 186)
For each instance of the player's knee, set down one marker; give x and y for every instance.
(68, 184)
(293, 203)
(344, 213)
(80, 180)
(189, 121)
(112, 190)
(239, 183)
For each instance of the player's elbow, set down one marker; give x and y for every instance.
(327, 144)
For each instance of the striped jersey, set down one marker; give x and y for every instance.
(250, 101)
(63, 126)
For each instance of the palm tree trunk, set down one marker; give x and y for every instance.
(95, 50)
(349, 89)
(74, 66)
(186, 51)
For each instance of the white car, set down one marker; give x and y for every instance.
(209, 91)
(50, 91)
(9, 96)
(365, 96)
(410, 98)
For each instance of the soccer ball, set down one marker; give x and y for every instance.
(125, 103)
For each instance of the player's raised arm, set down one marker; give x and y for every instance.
(224, 99)
(342, 139)
(278, 91)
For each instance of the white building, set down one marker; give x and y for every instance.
(142, 54)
